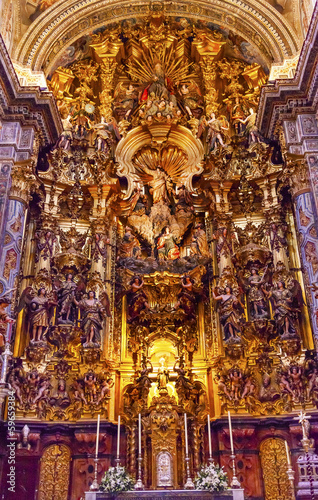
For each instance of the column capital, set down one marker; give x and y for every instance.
(296, 175)
(23, 181)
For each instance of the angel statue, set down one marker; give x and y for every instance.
(229, 313)
(39, 311)
(286, 306)
(93, 312)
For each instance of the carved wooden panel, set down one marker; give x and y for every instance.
(55, 473)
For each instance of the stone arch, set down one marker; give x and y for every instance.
(274, 467)
(55, 472)
(64, 22)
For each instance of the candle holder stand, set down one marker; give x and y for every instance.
(117, 462)
(235, 483)
(95, 486)
(291, 477)
(189, 484)
(139, 484)
(210, 460)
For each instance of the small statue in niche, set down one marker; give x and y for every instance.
(266, 392)
(256, 296)
(184, 203)
(183, 384)
(163, 376)
(39, 311)
(129, 246)
(188, 297)
(93, 312)
(167, 247)
(143, 381)
(5, 319)
(286, 307)
(66, 292)
(296, 381)
(90, 387)
(199, 243)
(136, 298)
(229, 313)
(236, 379)
(60, 397)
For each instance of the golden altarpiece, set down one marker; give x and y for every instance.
(161, 269)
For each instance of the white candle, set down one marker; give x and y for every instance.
(231, 434)
(97, 436)
(139, 433)
(118, 436)
(287, 453)
(209, 434)
(186, 434)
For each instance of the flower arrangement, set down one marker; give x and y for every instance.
(212, 478)
(116, 479)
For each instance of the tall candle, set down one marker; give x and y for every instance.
(118, 436)
(209, 434)
(287, 453)
(97, 436)
(231, 434)
(186, 434)
(139, 433)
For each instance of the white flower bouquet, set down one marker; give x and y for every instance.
(212, 478)
(116, 479)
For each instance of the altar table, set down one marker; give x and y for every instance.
(237, 494)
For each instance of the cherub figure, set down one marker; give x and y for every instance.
(79, 391)
(297, 387)
(43, 391)
(236, 384)
(90, 387)
(106, 385)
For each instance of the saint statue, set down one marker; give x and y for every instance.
(160, 185)
(163, 375)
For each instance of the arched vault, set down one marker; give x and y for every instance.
(60, 25)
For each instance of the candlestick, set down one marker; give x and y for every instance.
(97, 436)
(235, 483)
(287, 453)
(117, 461)
(186, 435)
(139, 433)
(231, 433)
(210, 441)
(139, 484)
(189, 484)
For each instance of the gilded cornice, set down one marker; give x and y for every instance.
(27, 104)
(62, 23)
(292, 95)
